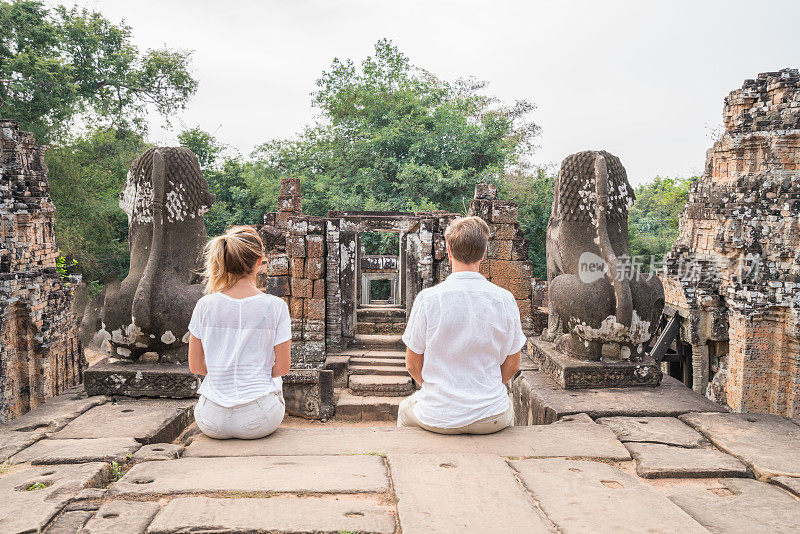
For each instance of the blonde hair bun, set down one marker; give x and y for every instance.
(231, 256)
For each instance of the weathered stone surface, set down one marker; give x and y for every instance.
(790, 484)
(70, 522)
(23, 510)
(581, 496)
(539, 401)
(11, 442)
(424, 485)
(666, 430)
(739, 505)
(146, 421)
(276, 514)
(325, 474)
(654, 460)
(158, 451)
(40, 346)
(122, 517)
(386, 386)
(54, 414)
(570, 373)
(358, 408)
(309, 393)
(72, 451)
(141, 379)
(767, 444)
(578, 438)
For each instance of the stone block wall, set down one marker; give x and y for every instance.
(40, 351)
(313, 262)
(733, 274)
(506, 263)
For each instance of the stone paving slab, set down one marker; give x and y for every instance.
(70, 522)
(666, 430)
(768, 444)
(54, 414)
(655, 460)
(158, 451)
(585, 496)
(23, 510)
(539, 401)
(13, 441)
(573, 439)
(276, 514)
(739, 505)
(122, 517)
(145, 420)
(461, 493)
(74, 451)
(323, 474)
(790, 484)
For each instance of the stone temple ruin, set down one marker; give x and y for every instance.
(732, 278)
(40, 353)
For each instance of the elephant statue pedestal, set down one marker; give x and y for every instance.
(602, 310)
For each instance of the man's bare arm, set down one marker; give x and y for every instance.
(510, 367)
(414, 363)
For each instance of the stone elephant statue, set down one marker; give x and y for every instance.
(165, 197)
(599, 303)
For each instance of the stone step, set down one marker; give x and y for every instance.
(374, 315)
(378, 341)
(381, 370)
(372, 353)
(380, 328)
(384, 386)
(395, 362)
(351, 407)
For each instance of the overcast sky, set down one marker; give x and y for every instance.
(644, 80)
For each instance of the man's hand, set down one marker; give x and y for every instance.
(414, 363)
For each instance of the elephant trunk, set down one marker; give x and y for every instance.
(142, 298)
(619, 280)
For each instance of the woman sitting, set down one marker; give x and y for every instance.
(240, 341)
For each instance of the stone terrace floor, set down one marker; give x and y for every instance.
(697, 473)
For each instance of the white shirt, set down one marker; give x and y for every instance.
(466, 327)
(239, 338)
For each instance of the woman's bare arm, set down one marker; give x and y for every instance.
(283, 359)
(197, 358)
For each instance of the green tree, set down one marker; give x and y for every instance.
(653, 219)
(534, 194)
(86, 176)
(392, 136)
(57, 64)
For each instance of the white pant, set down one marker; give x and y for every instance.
(487, 425)
(252, 420)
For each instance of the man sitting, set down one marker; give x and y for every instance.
(463, 341)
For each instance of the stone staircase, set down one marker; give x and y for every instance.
(377, 379)
(385, 319)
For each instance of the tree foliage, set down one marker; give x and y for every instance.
(391, 136)
(57, 64)
(653, 219)
(86, 176)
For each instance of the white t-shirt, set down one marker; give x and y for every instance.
(466, 327)
(239, 338)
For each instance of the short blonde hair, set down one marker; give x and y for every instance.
(467, 239)
(231, 256)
